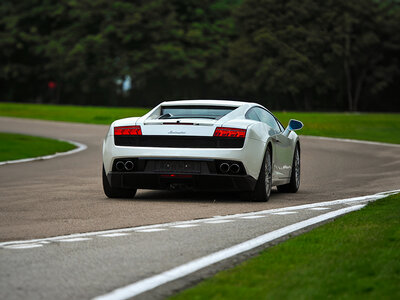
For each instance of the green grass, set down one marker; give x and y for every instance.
(355, 257)
(367, 126)
(69, 113)
(18, 146)
(362, 126)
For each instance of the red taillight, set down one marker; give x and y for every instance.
(128, 130)
(230, 132)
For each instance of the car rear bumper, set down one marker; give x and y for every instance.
(206, 182)
(251, 155)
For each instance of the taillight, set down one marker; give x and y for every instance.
(230, 132)
(128, 130)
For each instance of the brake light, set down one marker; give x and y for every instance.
(230, 132)
(128, 130)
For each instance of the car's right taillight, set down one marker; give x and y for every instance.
(230, 132)
(127, 130)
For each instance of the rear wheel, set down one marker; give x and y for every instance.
(115, 192)
(294, 184)
(263, 187)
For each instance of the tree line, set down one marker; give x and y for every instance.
(286, 54)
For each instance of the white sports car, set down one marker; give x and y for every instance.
(203, 145)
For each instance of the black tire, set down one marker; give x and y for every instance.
(262, 191)
(294, 184)
(116, 192)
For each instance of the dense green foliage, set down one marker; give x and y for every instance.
(337, 50)
(292, 54)
(365, 126)
(354, 257)
(168, 48)
(18, 146)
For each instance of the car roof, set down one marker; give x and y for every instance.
(206, 102)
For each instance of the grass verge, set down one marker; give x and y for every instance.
(377, 127)
(365, 126)
(18, 146)
(69, 113)
(355, 257)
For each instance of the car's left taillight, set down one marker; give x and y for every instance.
(230, 132)
(127, 130)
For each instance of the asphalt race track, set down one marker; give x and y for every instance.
(62, 196)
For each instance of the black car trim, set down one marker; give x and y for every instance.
(178, 141)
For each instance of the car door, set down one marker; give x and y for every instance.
(282, 155)
(286, 148)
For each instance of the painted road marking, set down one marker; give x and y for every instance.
(354, 200)
(114, 234)
(150, 283)
(78, 239)
(150, 230)
(23, 246)
(185, 226)
(285, 213)
(319, 208)
(352, 141)
(252, 217)
(219, 221)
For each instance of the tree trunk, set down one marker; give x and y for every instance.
(296, 102)
(349, 85)
(347, 55)
(357, 92)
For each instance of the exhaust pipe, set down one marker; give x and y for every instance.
(235, 168)
(120, 166)
(129, 165)
(224, 168)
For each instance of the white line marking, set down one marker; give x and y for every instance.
(197, 264)
(23, 246)
(150, 230)
(185, 226)
(319, 208)
(116, 234)
(285, 213)
(352, 141)
(368, 198)
(252, 217)
(78, 239)
(79, 147)
(218, 221)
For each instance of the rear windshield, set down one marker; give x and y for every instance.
(206, 112)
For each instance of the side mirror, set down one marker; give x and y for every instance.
(295, 125)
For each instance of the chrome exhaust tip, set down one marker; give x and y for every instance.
(224, 168)
(235, 168)
(129, 165)
(120, 166)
